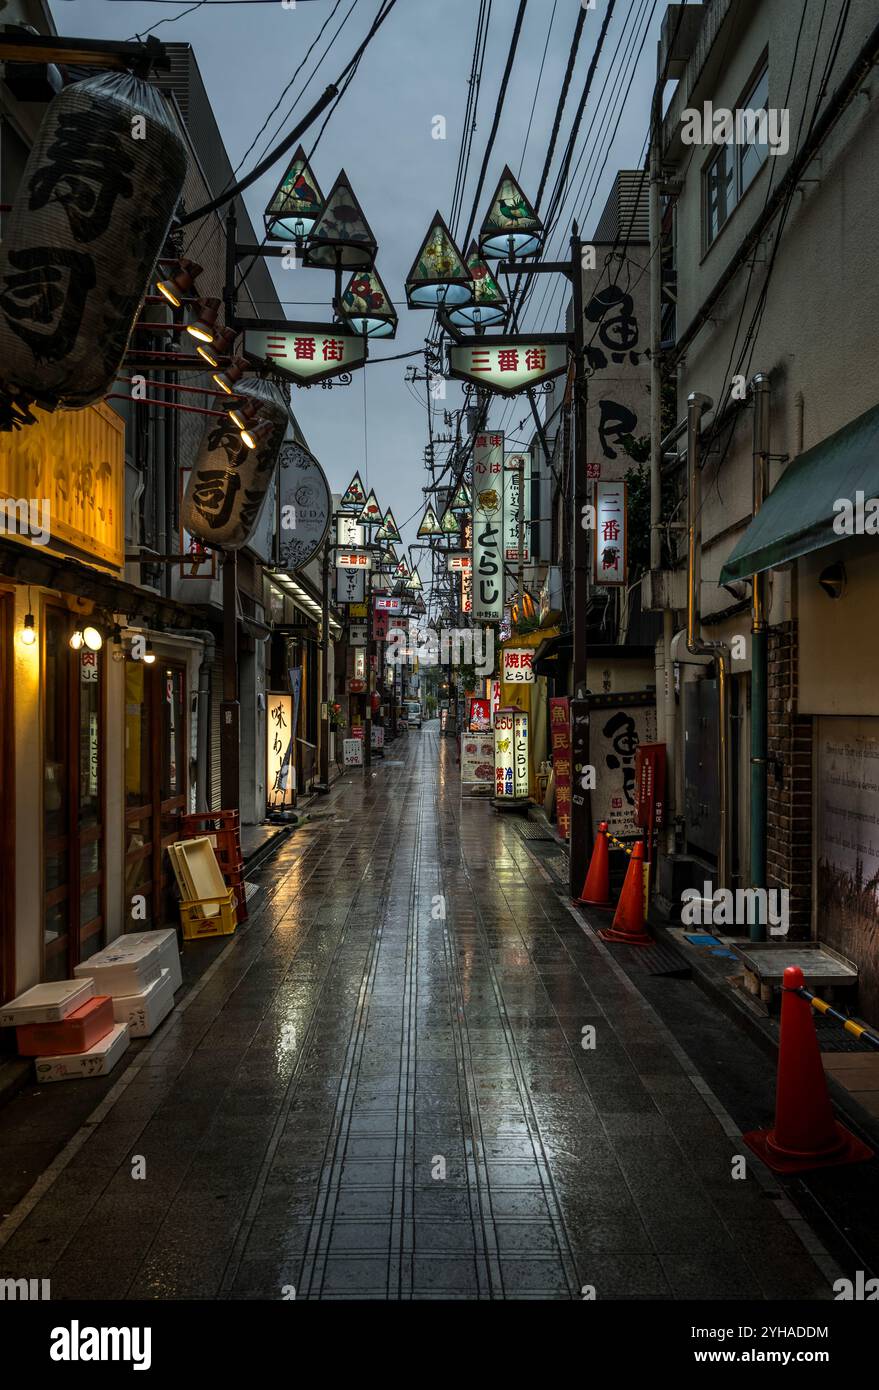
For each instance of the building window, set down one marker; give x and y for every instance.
(732, 170)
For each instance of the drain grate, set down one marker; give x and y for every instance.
(530, 831)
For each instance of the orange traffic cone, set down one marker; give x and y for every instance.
(596, 889)
(805, 1134)
(628, 920)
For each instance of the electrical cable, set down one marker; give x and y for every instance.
(334, 90)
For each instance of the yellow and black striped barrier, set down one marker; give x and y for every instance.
(856, 1029)
(620, 844)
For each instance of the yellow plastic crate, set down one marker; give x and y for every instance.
(195, 924)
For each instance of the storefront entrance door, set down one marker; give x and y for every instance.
(73, 799)
(155, 787)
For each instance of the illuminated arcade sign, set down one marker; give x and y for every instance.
(511, 753)
(387, 603)
(511, 363)
(458, 561)
(353, 560)
(307, 352)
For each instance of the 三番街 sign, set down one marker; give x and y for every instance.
(509, 364)
(307, 352)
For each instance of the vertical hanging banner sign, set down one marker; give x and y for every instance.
(488, 524)
(280, 766)
(514, 504)
(560, 733)
(609, 566)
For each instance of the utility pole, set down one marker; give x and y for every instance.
(581, 799)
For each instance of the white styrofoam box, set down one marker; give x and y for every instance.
(126, 966)
(48, 1003)
(144, 1012)
(98, 1061)
(165, 940)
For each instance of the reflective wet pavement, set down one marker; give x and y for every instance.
(380, 1089)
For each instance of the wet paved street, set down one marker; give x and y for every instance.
(380, 1089)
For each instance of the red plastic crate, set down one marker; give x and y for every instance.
(77, 1032)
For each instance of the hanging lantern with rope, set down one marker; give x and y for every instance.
(90, 217)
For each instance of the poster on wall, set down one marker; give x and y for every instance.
(847, 848)
(618, 725)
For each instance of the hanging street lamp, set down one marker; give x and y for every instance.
(438, 278)
(489, 305)
(366, 306)
(511, 230)
(296, 203)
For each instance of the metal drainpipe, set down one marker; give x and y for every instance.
(666, 723)
(697, 404)
(759, 643)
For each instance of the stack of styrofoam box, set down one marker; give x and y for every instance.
(67, 1029)
(141, 971)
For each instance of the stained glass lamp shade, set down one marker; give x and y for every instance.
(489, 301)
(429, 525)
(461, 500)
(372, 512)
(355, 493)
(341, 235)
(512, 228)
(366, 306)
(389, 529)
(414, 580)
(296, 203)
(450, 524)
(438, 278)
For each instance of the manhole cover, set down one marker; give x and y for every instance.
(530, 831)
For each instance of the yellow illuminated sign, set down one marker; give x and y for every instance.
(62, 484)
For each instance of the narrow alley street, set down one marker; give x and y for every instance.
(380, 1089)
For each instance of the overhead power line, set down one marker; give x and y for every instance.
(335, 89)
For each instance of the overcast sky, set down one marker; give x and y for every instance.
(416, 68)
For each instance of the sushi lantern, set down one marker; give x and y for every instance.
(233, 468)
(90, 217)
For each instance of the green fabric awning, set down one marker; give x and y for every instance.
(798, 514)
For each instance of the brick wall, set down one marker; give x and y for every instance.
(789, 811)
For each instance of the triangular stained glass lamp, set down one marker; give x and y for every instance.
(296, 203)
(389, 529)
(355, 493)
(429, 525)
(438, 276)
(461, 500)
(367, 306)
(414, 580)
(341, 235)
(392, 556)
(450, 524)
(372, 512)
(512, 228)
(403, 568)
(489, 301)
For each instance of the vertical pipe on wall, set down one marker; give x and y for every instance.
(697, 404)
(759, 641)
